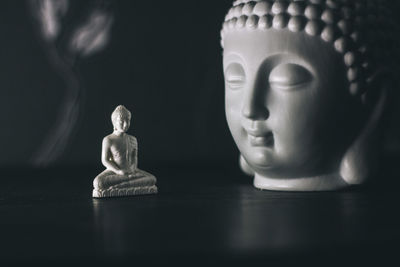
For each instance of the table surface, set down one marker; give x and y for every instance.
(200, 214)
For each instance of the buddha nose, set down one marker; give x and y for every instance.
(254, 107)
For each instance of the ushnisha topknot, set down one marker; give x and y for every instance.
(361, 30)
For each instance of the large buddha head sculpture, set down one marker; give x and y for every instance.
(306, 88)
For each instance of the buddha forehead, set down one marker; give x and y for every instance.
(254, 48)
(356, 30)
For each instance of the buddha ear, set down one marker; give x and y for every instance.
(361, 159)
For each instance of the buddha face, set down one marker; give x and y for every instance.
(121, 124)
(287, 102)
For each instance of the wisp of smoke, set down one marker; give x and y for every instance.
(86, 39)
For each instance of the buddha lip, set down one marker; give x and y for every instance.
(257, 131)
(262, 140)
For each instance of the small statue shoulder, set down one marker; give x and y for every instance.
(107, 139)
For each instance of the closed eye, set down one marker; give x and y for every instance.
(235, 77)
(236, 81)
(289, 77)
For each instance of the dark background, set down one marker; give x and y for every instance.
(163, 63)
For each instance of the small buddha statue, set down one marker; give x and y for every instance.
(119, 155)
(307, 84)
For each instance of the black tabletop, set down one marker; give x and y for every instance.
(202, 214)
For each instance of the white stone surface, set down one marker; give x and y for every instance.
(119, 156)
(302, 101)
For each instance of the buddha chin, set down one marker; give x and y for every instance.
(261, 159)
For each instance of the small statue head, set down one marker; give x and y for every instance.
(305, 86)
(121, 119)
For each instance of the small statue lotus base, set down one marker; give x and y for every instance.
(124, 192)
(119, 156)
(143, 183)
